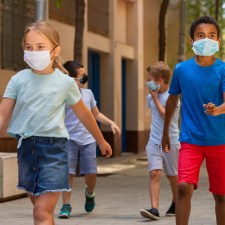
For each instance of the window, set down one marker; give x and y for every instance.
(15, 15)
(98, 16)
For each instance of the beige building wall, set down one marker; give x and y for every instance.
(5, 77)
(151, 49)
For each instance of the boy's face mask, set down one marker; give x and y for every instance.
(82, 80)
(205, 47)
(153, 86)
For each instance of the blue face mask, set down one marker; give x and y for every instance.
(153, 86)
(205, 47)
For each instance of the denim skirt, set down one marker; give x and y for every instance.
(43, 165)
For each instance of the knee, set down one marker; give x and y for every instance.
(155, 174)
(185, 189)
(219, 198)
(41, 214)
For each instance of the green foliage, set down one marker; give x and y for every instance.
(197, 8)
(58, 3)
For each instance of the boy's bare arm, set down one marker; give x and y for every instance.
(88, 120)
(105, 120)
(171, 105)
(158, 104)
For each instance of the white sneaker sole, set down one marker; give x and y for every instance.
(148, 215)
(170, 214)
(63, 216)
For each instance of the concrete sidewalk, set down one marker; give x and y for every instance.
(122, 190)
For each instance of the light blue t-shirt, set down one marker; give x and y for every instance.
(77, 131)
(40, 103)
(158, 122)
(200, 85)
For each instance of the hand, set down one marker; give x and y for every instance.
(115, 129)
(105, 149)
(154, 94)
(211, 109)
(165, 143)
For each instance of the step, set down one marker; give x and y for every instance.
(9, 177)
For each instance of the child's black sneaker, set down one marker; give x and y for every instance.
(171, 211)
(152, 214)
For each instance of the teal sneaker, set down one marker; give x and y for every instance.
(90, 201)
(65, 211)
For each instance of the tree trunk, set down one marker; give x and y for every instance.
(162, 29)
(79, 24)
(217, 11)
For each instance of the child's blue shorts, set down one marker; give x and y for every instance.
(85, 155)
(43, 165)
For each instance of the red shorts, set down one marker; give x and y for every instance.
(190, 160)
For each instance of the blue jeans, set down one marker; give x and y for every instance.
(43, 165)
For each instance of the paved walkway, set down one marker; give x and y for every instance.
(122, 190)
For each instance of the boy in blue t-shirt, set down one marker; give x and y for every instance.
(201, 82)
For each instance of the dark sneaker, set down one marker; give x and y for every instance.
(65, 211)
(171, 210)
(151, 214)
(90, 201)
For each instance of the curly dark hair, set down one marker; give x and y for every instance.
(201, 20)
(71, 67)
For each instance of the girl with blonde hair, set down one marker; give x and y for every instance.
(33, 109)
